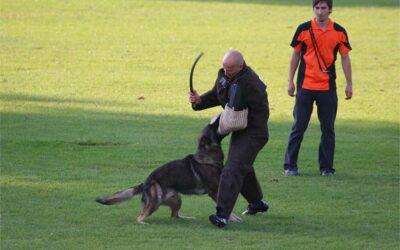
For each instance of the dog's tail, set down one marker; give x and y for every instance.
(121, 196)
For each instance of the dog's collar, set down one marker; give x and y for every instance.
(213, 164)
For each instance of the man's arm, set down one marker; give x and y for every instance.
(207, 100)
(294, 62)
(346, 64)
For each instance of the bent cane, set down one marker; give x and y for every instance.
(192, 70)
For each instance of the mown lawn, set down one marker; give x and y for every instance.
(94, 97)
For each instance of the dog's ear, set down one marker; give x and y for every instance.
(214, 123)
(219, 137)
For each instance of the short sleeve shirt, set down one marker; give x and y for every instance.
(329, 41)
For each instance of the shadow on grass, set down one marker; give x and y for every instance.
(59, 101)
(337, 3)
(133, 137)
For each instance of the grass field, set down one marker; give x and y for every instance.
(73, 126)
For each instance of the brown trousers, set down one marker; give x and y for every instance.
(238, 174)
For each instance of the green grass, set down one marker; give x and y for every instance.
(73, 127)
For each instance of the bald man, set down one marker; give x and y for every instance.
(238, 175)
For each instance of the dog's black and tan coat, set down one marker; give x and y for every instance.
(194, 174)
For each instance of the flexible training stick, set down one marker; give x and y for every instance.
(191, 72)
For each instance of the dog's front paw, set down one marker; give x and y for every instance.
(184, 217)
(141, 222)
(234, 218)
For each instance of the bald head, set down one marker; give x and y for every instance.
(233, 57)
(233, 63)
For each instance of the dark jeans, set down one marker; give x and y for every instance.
(327, 107)
(238, 175)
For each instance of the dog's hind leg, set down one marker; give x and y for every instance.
(175, 203)
(146, 212)
(151, 202)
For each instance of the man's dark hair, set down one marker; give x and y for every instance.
(328, 2)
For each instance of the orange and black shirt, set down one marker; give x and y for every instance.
(317, 71)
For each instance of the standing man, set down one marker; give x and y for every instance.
(238, 174)
(316, 44)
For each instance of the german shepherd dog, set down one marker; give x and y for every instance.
(194, 174)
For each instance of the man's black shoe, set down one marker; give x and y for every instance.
(253, 208)
(218, 221)
(290, 172)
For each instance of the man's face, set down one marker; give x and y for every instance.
(231, 69)
(322, 11)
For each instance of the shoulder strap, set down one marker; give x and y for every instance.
(317, 52)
